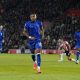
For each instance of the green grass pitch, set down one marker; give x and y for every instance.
(20, 67)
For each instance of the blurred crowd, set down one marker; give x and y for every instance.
(57, 24)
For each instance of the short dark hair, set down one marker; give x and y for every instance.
(33, 13)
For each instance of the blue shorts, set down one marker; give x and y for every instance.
(35, 45)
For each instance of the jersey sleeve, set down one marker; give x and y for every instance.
(66, 43)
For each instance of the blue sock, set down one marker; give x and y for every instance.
(77, 55)
(33, 57)
(38, 60)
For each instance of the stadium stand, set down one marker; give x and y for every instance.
(62, 23)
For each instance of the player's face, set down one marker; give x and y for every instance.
(33, 17)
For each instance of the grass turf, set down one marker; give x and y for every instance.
(20, 67)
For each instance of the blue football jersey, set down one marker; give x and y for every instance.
(1, 36)
(77, 37)
(34, 29)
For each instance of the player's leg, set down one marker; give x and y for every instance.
(77, 55)
(33, 55)
(68, 54)
(38, 53)
(61, 57)
(34, 59)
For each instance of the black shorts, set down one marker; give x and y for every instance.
(67, 53)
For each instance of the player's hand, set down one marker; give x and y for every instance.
(31, 38)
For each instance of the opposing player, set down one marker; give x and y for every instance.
(60, 49)
(77, 47)
(1, 37)
(65, 46)
(32, 31)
